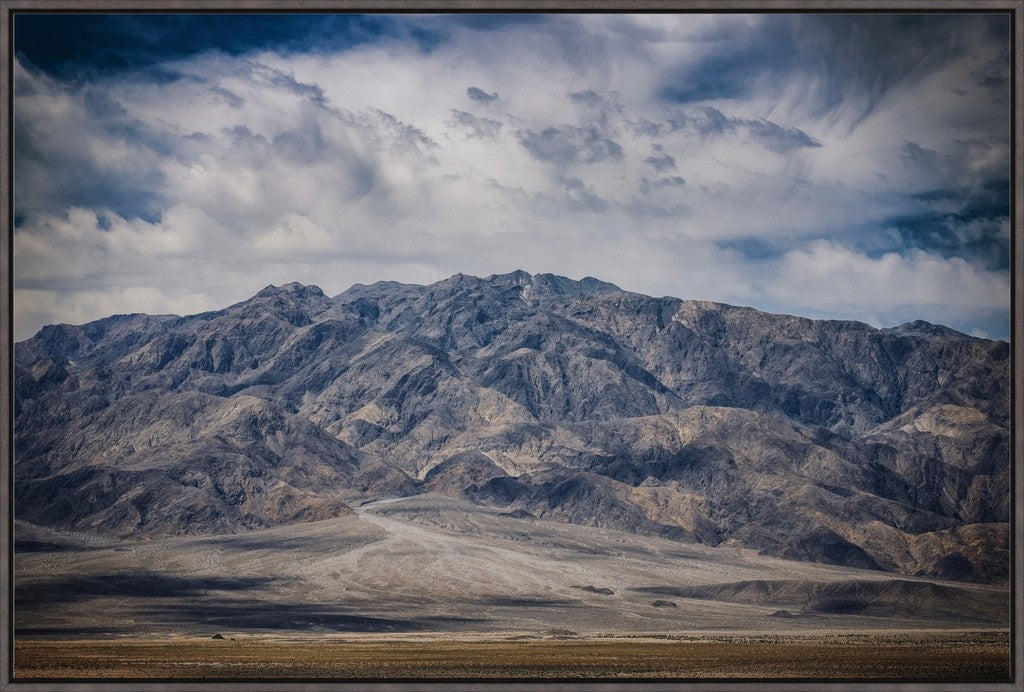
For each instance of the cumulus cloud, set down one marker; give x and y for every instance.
(830, 279)
(660, 160)
(483, 128)
(212, 166)
(568, 144)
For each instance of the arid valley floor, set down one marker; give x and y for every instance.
(928, 655)
(430, 587)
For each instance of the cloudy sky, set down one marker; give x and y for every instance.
(845, 166)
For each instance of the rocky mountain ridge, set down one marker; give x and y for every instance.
(826, 441)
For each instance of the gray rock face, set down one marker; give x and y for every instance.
(823, 441)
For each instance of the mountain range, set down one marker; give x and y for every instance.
(815, 440)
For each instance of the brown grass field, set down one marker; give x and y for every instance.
(904, 656)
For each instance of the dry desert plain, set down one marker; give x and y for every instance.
(430, 587)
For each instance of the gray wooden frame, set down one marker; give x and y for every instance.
(9, 7)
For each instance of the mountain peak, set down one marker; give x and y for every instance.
(923, 328)
(293, 288)
(518, 277)
(295, 302)
(552, 284)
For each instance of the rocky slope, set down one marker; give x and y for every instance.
(821, 441)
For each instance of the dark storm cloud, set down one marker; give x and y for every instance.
(487, 21)
(482, 128)
(72, 45)
(163, 76)
(567, 144)
(980, 239)
(995, 74)
(53, 181)
(963, 163)
(720, 76)
(57, 170)
(976, 229)
(848, 60)
(478, 94)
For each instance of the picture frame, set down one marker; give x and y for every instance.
(9, 9)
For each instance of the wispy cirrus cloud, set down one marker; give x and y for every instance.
(737, 158)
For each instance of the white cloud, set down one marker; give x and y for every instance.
(377, 163)
(827, 278)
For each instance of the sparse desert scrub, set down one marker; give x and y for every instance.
(959, 656)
